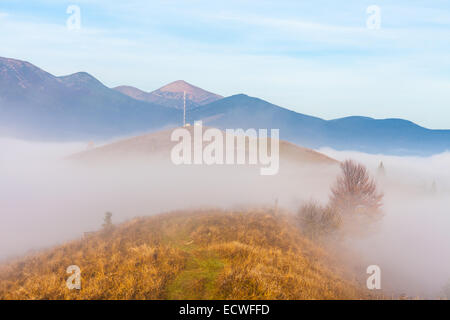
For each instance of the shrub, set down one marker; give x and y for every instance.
(107, 221)
(316, 221)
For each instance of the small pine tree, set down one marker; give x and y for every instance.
(381, 170)
(433, 187)
(275, 210)
(107, 221)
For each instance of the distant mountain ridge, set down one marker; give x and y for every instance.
(389, 136)
(172, 95)
(35, 104)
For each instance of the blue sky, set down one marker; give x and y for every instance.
(315, 57)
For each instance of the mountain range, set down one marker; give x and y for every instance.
(38, 105)
(387, 136)
(35, 104)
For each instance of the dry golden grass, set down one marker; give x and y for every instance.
(208, 254)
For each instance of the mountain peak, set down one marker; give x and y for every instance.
(13, 62)
(79, 76)
(17, 75)
(179, 86)
(194, 95)
(80, 79)
(172, 94)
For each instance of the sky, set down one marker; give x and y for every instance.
(324, 58)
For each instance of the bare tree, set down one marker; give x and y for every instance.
(355, 192)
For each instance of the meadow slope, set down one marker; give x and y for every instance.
(205, 254)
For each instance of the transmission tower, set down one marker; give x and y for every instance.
(184, 108)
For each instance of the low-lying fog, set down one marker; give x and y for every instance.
(412, 246)
(45, 200)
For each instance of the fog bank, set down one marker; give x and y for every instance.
(46, 200)
(412, 245)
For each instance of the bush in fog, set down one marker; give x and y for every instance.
(355, 192)
(316, 221)
(353, 205)
(107, 221)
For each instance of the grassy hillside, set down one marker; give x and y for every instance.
(209, 254)
(159, 144)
